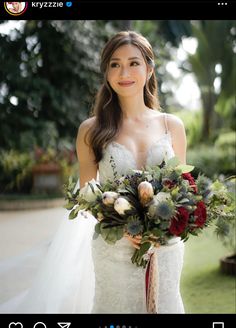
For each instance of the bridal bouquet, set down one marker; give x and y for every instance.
(157, 204)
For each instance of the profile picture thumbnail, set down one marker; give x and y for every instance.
(15, 8)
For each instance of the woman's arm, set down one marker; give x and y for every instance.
(87, 166)
(179, 141)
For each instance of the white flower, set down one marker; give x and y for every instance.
(121, 205)
(109, 197)
(89, 193)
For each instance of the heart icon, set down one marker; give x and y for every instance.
(15, 325)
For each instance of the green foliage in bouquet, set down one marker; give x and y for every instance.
(157, 203)
(226, 229)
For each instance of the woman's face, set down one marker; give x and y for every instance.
(16, 5)
(127, 71)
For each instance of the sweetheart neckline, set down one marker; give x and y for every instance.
(167, 134)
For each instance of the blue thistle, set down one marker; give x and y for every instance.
(165, 210)
(134, 226)
(203, 184)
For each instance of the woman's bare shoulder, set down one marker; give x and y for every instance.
(87, 124)
(83, 129)
(174, 121)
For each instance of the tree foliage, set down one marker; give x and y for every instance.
(49, 72)
(214, 62)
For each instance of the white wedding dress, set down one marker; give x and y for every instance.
(84, 275)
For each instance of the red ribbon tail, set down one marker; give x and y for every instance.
(147, 275)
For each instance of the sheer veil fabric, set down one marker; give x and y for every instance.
(65, 280)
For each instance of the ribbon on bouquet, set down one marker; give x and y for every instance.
(151, 278)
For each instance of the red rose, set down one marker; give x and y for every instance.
(179, 223)
(200, 214)
(190, 178)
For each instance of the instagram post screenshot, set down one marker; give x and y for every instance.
(117, 164)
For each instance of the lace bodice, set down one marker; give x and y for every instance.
(125, 161)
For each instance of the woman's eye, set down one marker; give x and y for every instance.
(114, 65)
(134, 63)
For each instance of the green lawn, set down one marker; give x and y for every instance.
(204, 288)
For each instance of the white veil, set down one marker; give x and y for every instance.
(65, 282)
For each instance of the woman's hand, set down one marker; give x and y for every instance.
(135, 241)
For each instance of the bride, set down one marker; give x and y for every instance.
(82, 275)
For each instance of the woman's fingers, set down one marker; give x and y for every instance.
(134, 240)
(138, 237)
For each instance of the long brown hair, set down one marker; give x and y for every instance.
(107, 111)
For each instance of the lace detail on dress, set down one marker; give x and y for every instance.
(169, 266)
(125, 161)
(119, 284)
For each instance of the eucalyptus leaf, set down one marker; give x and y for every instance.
(184, 201)
(112, 235)
(111, 225)
(185, 168)
(95, 235)
(98, 228)
(69, 206)
(104, 232)
(157, 232)
(73, 214)
(174, 161)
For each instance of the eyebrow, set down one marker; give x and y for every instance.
(130, 58)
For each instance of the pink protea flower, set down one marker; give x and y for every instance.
(145, 191)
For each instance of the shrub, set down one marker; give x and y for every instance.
(212, 160)
(16, 167)
(15, 171)
(226, 141)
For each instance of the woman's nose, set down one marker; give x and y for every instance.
(124, 72)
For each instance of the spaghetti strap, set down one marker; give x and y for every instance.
(165, 120)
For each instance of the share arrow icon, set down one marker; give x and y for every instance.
(64, 324)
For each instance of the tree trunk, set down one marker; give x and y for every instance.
(217, 121)
(208, 102)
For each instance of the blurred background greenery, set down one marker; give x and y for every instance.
(49, 74)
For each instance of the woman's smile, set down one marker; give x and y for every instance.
(126, 83)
